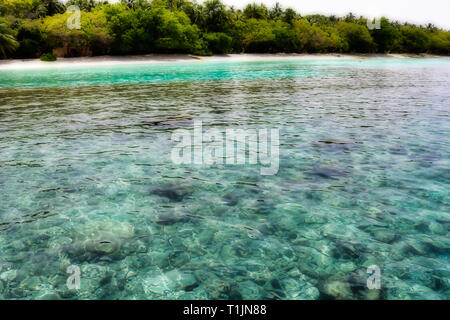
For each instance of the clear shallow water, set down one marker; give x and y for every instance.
(86, 179)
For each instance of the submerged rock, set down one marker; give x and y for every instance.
(249, 290)
(312, 219)
(174, 192)
(346, 250)
(91, 250)
(437, 280)
(372, 295)
(438, 228)
(182, 280)
(8, 276)
(160, 259)
(167, 219)
(21, 256)
(336, 290)
(218, 289)
(398, 150)
(169, 121)
(386, 236)
(96, 278)
(335, 145)
(30, 283)
(104, 246)
(205, 237)
(232, 198)
(214, 286)
(411, 291)
(49, 296)
(328, 173)
(299, 289)
(179, 258)
(168, 282)
(102, 240)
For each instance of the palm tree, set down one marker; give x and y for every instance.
(276, 12)
(49, 8)
(7, 41)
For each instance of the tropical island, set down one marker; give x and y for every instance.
(38, 28)
(179, 150)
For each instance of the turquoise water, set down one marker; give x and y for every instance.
(87, 180)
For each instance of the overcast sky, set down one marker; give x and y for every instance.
(415, 11)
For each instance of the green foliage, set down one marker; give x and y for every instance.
(289, 16)
(50, 7)
(356, 37)
(256, 11)
(19, 8)
(48, 57)
(174, 33)
(128, 29)
(216, 16)
(153, 30)
(32, 40)
(7, 41)
(31, 9)
(187, 26)
(85, 5)
(92, 39)
(285, 38)
(219, 42)
(276, 12)
(314, 39)
(414, 39)
(321, 20)
(440, 42)
(258, 36)
(387, 37)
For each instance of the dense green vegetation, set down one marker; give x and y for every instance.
(48, 57)
(30, 28)
(7, 42)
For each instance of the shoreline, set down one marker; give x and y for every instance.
(25, 64)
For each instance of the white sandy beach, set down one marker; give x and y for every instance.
(23, 64)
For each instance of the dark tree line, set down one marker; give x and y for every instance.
(30, 28)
